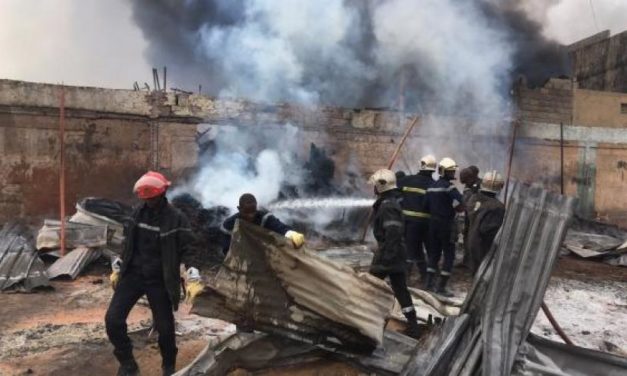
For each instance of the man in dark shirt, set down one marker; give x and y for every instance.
(486, 215)
(247, 211)
(414, 191)
(443, 201)
(156, 242)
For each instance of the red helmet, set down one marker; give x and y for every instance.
(151, 184)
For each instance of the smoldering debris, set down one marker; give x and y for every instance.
(205, 222)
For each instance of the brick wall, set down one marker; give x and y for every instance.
(600, 63)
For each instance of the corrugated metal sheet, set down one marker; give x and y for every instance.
(266, 283)
(73, 263)
(20, 266)
(76, 235)
(507, 291)
(540, 356)
(258, 351)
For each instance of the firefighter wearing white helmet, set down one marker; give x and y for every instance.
(388, 230)
(428, 163)
(485, 217)
(414, 191)
(443, 201)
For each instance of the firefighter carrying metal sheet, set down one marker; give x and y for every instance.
(248, 211)
(414, 191)
(390, 256)
(485, 216)
(443, 201)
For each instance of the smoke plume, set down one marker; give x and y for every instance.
(351, 53)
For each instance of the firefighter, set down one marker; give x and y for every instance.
(414, 190)
(247, 211)
(443, 201)
(157, 238)
(486, 215)
(390, 256)
(469, 177)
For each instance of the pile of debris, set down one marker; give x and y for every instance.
(206, 248)
(598, 242)
(306, 307)
(21, 269)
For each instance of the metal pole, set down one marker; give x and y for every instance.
(555, 325)
(511, 158)
(390, 165)
(561, 157)
(62, 167)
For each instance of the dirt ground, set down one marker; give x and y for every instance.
(61, 331)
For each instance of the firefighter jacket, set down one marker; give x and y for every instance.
(389, 231)
(414, 191)
(485, 217)
(442, 201)
(174, 235)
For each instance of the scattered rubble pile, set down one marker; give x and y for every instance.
(206, 246)
(21, 269)
(597, 241)
(95, 230)
(299, 308)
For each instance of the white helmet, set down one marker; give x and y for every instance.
(447, 164)
(492, 182)
(428, 163)
(383, 180)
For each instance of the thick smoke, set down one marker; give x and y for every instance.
(352, 53)
(245, 161)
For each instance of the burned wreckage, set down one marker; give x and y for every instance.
(297, 306)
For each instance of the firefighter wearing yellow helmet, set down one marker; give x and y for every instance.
(443, 201)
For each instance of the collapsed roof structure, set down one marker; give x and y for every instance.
(311, 308)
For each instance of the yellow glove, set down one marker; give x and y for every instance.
(297, 238)
(116, 266)
(192, 289)
(193, 285)
(114, 278)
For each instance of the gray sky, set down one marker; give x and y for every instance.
(96, 43)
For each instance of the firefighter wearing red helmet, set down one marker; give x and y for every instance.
(157, 240)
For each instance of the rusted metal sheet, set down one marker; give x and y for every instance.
(507, 291)
(20, 266)
(76, 235)
(259, 351)
(266, 284)
(73, 262)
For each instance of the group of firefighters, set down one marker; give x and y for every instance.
(410, 215)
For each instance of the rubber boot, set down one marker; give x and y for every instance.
(430, 281)
(412, 330)
(442, 287)
(128, 368)
(168, 370)
(422, 269)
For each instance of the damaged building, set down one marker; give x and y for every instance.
(79, 150)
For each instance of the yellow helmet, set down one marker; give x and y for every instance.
(428, 163)
(492, 182)
(383, 180)
(447, 164)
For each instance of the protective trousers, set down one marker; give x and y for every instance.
(441, 242)
(130, 288)
(416, 237)
(399, 286)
